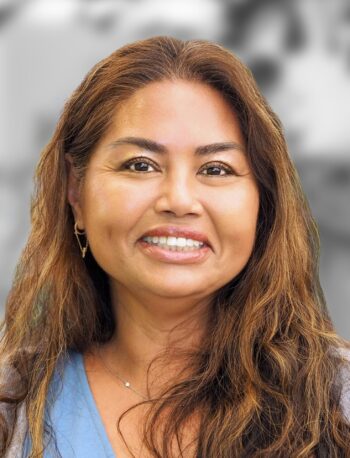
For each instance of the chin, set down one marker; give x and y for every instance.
(173, 291)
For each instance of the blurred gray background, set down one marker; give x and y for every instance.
(299, 52)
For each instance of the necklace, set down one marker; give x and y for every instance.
(124, 382)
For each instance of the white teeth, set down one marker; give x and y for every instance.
(171, 241)
(181, 241)
(174, 242)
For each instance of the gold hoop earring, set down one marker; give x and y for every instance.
(77, 233)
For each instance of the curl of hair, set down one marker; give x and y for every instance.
(266, 380)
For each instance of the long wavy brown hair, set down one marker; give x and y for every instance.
(266, 378)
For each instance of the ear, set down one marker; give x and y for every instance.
(73, 191)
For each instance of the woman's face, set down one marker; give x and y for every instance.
(174, 159)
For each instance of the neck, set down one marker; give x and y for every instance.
(148, 329)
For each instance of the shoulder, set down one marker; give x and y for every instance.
(9, 378)
(344, 377)
(19, 433)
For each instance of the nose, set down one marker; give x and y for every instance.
(178, 194)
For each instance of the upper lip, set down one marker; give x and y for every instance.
(176, 231)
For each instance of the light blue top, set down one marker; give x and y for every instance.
(73, 415)
(76, 422)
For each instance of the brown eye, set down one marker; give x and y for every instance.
(217, 169)
(139, 165)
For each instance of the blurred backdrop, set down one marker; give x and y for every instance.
(298, 51)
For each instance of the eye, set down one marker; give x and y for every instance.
(140, 165)
(216, 168)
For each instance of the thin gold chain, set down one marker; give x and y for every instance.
(124, 382)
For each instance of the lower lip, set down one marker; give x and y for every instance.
(178, 257)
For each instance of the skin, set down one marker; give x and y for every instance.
(116, 206)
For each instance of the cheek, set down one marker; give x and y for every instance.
(108, 199)
(112, 207)
(238, 213)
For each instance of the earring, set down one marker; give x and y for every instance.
(77, 233)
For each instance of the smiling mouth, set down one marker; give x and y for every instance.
(173, 253)
(174, 243)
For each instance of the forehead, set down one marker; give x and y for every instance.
(177, 112)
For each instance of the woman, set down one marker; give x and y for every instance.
(167, 302)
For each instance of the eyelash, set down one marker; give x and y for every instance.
(141, 160)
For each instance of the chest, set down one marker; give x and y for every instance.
(112, 401)
(123, 419)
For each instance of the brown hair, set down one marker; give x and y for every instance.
(271, 387)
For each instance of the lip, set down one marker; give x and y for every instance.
(177, 231)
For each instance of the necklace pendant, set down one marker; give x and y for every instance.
(127, 384)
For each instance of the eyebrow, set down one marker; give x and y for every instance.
(158, 148)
